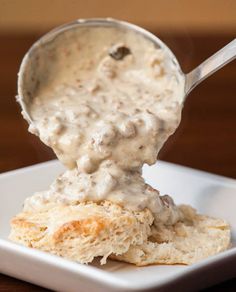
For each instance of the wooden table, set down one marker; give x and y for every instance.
(206, 138)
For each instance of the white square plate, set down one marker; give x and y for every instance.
(210, 194)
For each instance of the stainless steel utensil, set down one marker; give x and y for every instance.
(192, 79)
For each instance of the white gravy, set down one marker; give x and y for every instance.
(106, 104)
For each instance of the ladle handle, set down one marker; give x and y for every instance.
(211, 65)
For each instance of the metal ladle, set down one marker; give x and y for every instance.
(26, 86)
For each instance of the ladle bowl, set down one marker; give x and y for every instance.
(27, 84)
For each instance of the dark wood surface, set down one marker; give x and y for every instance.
(206, 138)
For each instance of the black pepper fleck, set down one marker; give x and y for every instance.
(118, 53)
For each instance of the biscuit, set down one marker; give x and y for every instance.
(188, 241)
(87, 230)
(82, 232)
